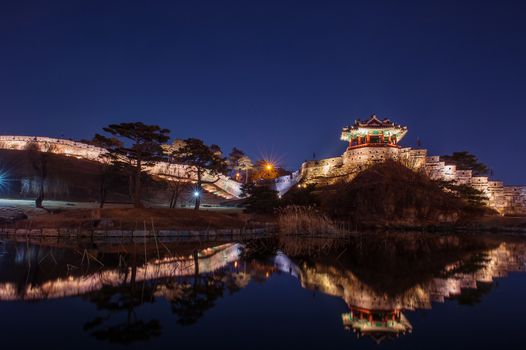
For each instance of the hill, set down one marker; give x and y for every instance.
(389, 193)
(72, 179)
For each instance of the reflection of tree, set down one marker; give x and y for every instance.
(392, 264)
(471, 264)
(192, 296)
(197, 295)
(124, 298)
(473, 296)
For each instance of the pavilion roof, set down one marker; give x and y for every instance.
(373, 123)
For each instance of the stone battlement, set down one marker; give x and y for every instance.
(505, 199)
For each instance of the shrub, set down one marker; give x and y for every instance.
(260, 199)
(306, 221)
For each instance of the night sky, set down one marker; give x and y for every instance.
(276, 78)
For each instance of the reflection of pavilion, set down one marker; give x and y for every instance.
(379, 324)
(378, 313)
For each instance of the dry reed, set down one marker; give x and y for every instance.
(306, 220)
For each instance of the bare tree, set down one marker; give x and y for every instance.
(39, 155)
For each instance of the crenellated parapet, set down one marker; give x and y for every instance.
(48, 144)
(505, 199)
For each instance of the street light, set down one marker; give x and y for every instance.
(196, 194)
(3, 180)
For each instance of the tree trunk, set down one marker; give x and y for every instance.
(175, 196)
(199, 191)
(196, 263)
(40, 198)
(102, 198)
(102, 191)
(172, 200)
(197, 201)
(137, 197)
(130, 185)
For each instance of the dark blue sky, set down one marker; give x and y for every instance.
(275, 78)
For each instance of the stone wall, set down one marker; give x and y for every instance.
(284, 183)
(505, 199)
(365, 155)
(229, 188)
(57, 146)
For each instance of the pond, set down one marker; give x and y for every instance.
(409, 291)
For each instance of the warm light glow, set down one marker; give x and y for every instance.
(269, 166)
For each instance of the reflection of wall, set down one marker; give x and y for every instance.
(210, 259)
(334, 281)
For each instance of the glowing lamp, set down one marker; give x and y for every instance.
(3, 181)
(196, 194)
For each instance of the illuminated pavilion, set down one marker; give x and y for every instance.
(373, 132)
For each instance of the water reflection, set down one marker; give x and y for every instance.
(381, 277)
(378, 278)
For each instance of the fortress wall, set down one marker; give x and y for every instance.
(366, 155)
(438, 170)
(57, 146)
(413, 158)
(463, 177)
(515, 198)
(284, 183)
(509, 200)
(321, 168)
(88, 152)
(496, 199)
(506, 200)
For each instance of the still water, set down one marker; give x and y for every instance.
(409, 291)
